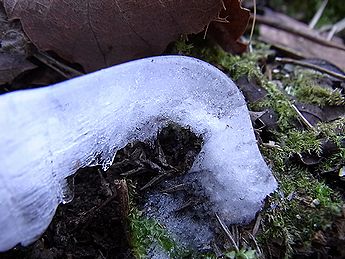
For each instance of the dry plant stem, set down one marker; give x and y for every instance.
(273, 23)
(331, 33)
(176, 188)
(318, 15)
(216, 250)
(312, 66)
(303, 119)
(256, 244)
(253, 25)
(66, 71)
(91, 212)
(122, 198)
(154, 181)
(338, 27)
(257, 225)
(227, 232)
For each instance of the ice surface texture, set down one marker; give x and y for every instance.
(48, 133)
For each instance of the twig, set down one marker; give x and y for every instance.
(256, 244)
(66, 71)
(318, 15)
(228, 233)
(257, 225)
(338, 27)
(156, 180)
(88, 214)
(276, 24)
(312, 66)
(189, 203)
(331, 32)
(176, 188)
(236, 234)
(253, 25)
(304, 120)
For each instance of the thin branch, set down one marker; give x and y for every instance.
(304, 119)
(253, 24)
(277, 24)
(318, 15)
(311, 66)
(336, 28)
(66, 71)
(228, 233)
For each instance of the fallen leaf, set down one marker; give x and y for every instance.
(12, 38)
(100, 33)
(227, 33)
(315, 114)
(13, 50)
(251, 89)
(283, 31)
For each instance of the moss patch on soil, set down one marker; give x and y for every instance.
(305, 205)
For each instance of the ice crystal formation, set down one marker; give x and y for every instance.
(48, 133)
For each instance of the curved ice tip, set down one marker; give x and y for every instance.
(48, 133)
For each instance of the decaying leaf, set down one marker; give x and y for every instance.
(12, 38)
(99, 33)
(289, 34)
(315, 114)
(281, 30)
(251, 89)
(13, 50)
(228, 32)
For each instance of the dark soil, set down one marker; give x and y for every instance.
(93, 224)
(88, 227)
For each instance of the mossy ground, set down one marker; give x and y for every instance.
(304, 203)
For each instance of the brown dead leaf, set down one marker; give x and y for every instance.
(13, 50)
(251, 89)
(315, 114)
(281, 30)
(99, 33)
(12, 38)
(227, 34)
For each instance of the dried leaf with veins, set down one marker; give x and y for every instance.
(235, 21)
(99, 33)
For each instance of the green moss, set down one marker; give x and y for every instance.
(304, 203)
(246, 65)
(237, 66)
(182, 47)
(302, 206)
(145, 232)
(306, 88)
(277, 100)
(319, 95)
(243, 253)
(334, 131)
(300, 142)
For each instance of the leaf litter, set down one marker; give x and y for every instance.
(328, 239)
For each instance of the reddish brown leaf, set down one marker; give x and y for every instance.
(99, 33)
(227, 34)
(282, 31)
